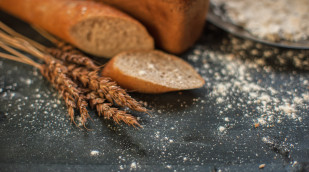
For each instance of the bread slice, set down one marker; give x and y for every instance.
(175, 24)
(152, 72)
(94, 27)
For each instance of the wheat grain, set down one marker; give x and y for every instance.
(106, 88)
(76, 78)
(108, 112)
(71, 57)
(55, 72)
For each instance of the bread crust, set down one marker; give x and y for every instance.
(60, 16)
(136, 84)
(175, 24)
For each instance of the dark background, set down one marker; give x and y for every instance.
(195, 130)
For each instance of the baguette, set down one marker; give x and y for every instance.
(152, 72)
(175, 24)
(93, 27)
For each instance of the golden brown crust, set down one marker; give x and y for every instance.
(175, 24)
(60, 16)
(136, 84)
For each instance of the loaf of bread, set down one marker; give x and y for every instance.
(93, 27)
(152, 72)
(175, 24)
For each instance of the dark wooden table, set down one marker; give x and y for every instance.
(253, 110)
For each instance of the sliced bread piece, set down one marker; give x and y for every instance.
(152, 72)
(94, 27)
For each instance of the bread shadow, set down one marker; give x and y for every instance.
(172, 101)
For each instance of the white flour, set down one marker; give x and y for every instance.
(261, 96)
(268, 19)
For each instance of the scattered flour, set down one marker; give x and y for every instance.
(250, 85)
(221, 129)
(94, 153)
(236, 88)
(133, 165)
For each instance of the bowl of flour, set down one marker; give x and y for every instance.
(277, 22)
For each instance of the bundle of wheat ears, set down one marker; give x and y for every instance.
(74, 75)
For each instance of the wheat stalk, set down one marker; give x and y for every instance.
(56, 74)
(65, 75)
(46, 72)
(106, 88)
(108, 111)
(71, 57)
(64, 51)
